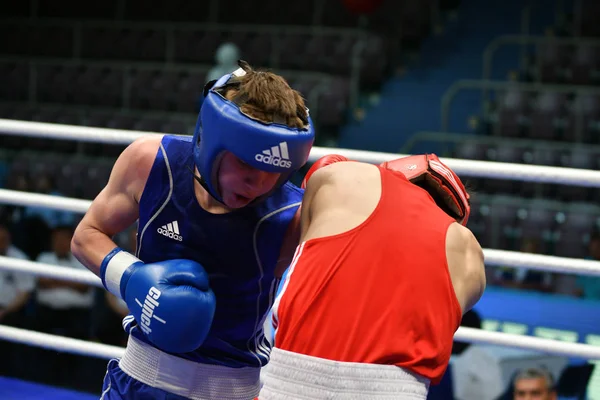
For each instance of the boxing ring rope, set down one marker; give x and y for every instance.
(493, 257)
(49, 271)
(472, 168)
(463, 334)
(483, 169)
(28, 199)
(60, 343)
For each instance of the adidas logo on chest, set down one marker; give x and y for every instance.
(277, 156)
(171, 230)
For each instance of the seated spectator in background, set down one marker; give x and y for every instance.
(588, 287)
(471, 319)
(534, 383)
(38, 222)
(52, 218)
(63, 307)
(15, 291)
(110, 329)
(523, 278)
(14, 213)
(226, 57)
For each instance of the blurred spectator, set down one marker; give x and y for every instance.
(566, 284)
(52, 218)
(471, 319)
(38, 222)
(362, 7)
(226, 58)
(534, 383)
(19, 182)
(110, 329)
(588, 287)
(68, 301)
(523, 278)
(63, 308)
(15, 291)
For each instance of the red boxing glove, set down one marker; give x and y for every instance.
(320, 163)
(446, 188)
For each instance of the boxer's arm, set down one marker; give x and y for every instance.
(317, 180)
(288, 247)
(117, 206)
(466, 264)
(475, 262)
(297, 228)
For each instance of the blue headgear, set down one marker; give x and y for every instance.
(222, 126)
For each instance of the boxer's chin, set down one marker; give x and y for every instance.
(234, 200)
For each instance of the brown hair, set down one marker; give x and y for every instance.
(267, 97)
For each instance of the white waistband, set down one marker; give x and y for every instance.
(187, 378)
(297, 376)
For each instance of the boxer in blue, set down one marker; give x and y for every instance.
(217, 223)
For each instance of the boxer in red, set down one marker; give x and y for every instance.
(383, 274)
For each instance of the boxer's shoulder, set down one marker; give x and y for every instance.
(346, 175)
(349, 187)
(461, 238)
(135, 162)
(175, 140)
(143, 147)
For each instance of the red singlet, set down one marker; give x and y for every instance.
(380, 293)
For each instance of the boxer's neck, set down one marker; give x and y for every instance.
(206, 201)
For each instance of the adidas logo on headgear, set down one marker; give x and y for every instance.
(276, 155)
(171, 230)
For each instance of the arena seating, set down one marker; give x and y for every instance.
(125, 65)
(561, 128)
(120, 71)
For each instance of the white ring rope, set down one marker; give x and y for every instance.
(49, 271)
(79, 133)
(463, 334)
(60, 343)
(494, 258)
(497, 258)
(539, 262)
(549, 346)
(18, 198)
(482, 169)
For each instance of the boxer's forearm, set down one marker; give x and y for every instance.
(90, 246)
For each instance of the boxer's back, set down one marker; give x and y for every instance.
(370, 281)
(343, 195)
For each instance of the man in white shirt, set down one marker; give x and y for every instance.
(62, 307)
(15, 291)
(62, 296)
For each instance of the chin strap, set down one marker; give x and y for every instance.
(202, 183)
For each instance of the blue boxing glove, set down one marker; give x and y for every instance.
(171, 300)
